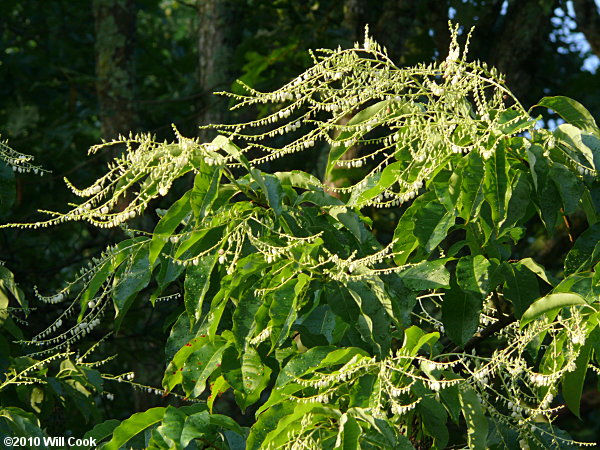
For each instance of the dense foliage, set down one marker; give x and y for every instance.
(444, 334)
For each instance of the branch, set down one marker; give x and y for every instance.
(485, 333)
(588, 20)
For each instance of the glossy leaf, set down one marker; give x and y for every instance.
(495, 185)
(472, 187)
(549, 303)
(571, 111)
(197, 282)
(473, 274)
(338, 151)
(426, 275)
(460, 314)
(477, 423)
(204, 193)
(586, 251)
(200, 365)
(131, 277)
(168, 223)
(133, 425)
(434, 421)
(520, 286)
(572, 383)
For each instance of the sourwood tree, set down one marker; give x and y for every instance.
(446, 334)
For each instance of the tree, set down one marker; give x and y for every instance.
(216, 44)
(115, 30)
(446, 334)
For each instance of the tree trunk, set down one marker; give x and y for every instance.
(526, 25)
(115, 31)
(218, 35)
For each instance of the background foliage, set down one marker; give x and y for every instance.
(53, 109)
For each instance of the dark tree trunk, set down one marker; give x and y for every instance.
(218, 36)
(517, 44)
(115, 31)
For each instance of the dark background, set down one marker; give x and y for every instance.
(75, 72)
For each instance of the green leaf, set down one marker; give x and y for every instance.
(518, 202)
(200, 365)
(196, 284)
(133, 425)
(123, 252)
(586, 251)
(373, 323)
(450, 398)
(571, 111)
(311, 412)
(587, 204)
(195, 426)
(168, 272)
(274, 193)
(432, 223)
(415, 339)
(580, 146)
(202, 424)
(434, 421)
(248, 376)
(477, 423)
(569, 186)
(102, 430)
(350, 220)
(199, 241)
(348, 434)
(546, 191)
(572, 383)
(267, 421)
(131, 277)
(298, 179)
(21, 423)
(167, 225)
(314, 359)
(549, 303)
(539, 270)
(174, 373)
(582, 283)
(350, 129)
(426, 275)
(496, 189)
(283, 310)
(460, 314)
(520, 286)
(320, 327)
(404, 239)
(244, 318)
(473, 275)
(472, 187)
(205, 190)
(172, 425)
(341, 302)
(376, 184)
